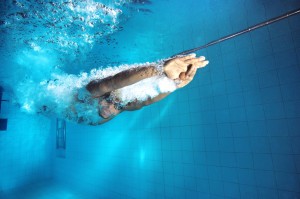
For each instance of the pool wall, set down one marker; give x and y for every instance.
(234, 132)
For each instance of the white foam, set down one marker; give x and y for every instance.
(145, 89)
(59, 93)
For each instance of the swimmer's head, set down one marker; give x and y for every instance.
(107, 109)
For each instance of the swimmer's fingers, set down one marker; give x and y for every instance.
(191, 72)
(175, 67)
(190, 56)
(201, 58)
(194, 61)
(201, 64)
(180, 65)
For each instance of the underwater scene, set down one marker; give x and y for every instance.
(149, 99)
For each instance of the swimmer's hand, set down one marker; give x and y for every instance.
(186, 77)
(174, 67)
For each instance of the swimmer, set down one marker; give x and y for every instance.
(181, 70)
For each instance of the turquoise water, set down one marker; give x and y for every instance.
(232, 133)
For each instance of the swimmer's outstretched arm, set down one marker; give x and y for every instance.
(184, 77)
(172, 68)
(125, 78)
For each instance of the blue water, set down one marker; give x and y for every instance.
(234, 132)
